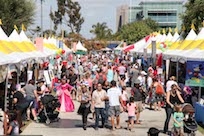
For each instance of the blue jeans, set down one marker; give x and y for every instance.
(99, 111)
(106, 111)
(169, 111)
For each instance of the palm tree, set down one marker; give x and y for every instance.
(101, 31)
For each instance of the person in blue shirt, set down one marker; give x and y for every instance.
(178, 120)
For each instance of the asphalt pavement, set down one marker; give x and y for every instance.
(70, 124)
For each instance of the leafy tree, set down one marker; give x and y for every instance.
(68, 13)
(135, 31)
(16, 12)
(49, 32)
(194, 13)
(101, 31)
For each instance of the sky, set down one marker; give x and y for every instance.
(93, 11)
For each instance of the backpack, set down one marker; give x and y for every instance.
(101, 79)
(159, 89)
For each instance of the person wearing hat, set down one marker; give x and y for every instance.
(64, 95)
(137, 94)
(134, 73)
(42, 89)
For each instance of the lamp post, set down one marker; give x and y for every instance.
(153, 56)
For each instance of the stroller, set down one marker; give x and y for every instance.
(190, 125)
(48, 113)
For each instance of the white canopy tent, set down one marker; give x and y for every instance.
(80, 47)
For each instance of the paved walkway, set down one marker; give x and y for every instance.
(70, 125)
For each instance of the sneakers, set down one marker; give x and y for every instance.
(84, 127)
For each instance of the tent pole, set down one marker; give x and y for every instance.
(6, 91)
(199, 93)
(177, 68)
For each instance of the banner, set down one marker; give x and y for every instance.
(195, 73)
(39, 43)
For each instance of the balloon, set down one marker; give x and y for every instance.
(63, 51)
(57, 57)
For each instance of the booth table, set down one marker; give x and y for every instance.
(199, 112)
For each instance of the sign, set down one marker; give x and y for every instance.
(195, 73)
(29, 75)
(39, 43)
(47, 77)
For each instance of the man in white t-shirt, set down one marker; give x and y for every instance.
(114, 97)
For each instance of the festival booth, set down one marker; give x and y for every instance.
(79, 49)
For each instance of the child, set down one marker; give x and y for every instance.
(131, 108)
(13, 128)
(124, 96)
(178, 120)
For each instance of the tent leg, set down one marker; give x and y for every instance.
(6, 92)
(177, 70)
(199, 93)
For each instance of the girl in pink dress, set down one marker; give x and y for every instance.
(64, 96)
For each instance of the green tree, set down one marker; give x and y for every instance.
(16, 12)
(135, 31)
(194, 13)
(68, 13)
(49, 32)
(101, 31)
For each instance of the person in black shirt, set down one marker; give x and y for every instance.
(172, 97)
(21, 106)
(72, 80)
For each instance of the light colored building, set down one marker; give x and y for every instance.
(122, 16)
(165, 12)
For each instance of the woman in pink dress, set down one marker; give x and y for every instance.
(64, 96)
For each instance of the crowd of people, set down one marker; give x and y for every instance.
(106, 86)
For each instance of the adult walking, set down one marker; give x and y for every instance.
(134, 73)
(114, 96)
(31, 97)
(173, 97)
(98, 101)
(84, 109)
(137, 94)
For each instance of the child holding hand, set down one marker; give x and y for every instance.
(131, 109)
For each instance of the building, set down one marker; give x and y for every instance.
(165, 12)
(122, 16)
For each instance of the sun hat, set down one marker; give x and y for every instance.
(137, 81)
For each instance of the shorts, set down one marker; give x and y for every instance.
(139, 106)
(131, 117)
(31, 101)
(178, 130)
(114, 111)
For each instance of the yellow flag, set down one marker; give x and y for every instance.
(15, 27)
(0, 22)
(163, 31)
(23, 27)
(176, 30)
(192, 26)
(183, 28)
(170, 30)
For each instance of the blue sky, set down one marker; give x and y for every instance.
(92, 10)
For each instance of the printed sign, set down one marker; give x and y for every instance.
(195, 73)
